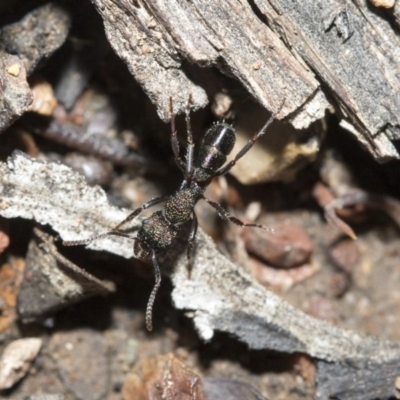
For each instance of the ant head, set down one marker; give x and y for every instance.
(141, 250)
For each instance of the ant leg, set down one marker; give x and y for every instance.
(191, 243)
(225, 215)
(115, 231)
(149, 309)
(88, 240)
(249, 144)
(174, 140)
(190, 144)
(145, 206)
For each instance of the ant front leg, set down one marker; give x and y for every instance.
(249, 144)
(149, 309)
(225, 215)
(115, 231)
(175, 141)
(191, 243)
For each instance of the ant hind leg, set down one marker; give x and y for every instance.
(149, 309)
(191, 244)
(225, 215)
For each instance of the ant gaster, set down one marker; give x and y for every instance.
(159, 230)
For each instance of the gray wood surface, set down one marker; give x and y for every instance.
(278, 49)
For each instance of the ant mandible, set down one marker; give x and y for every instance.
(159, 230)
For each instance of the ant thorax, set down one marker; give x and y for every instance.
(179, 208)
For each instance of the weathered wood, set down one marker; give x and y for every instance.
(368, 381)
(350, 46)
(15, 94)
(396, 13)
(220, 295)
(356, 54)
(23, 45)
(37, 35)
(155, 37)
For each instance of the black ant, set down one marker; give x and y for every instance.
(158, 231)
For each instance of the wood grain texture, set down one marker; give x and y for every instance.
(355, 53)
(277, 50)
(155, 38)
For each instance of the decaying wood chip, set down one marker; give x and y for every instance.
(52, 282)
(220, 295)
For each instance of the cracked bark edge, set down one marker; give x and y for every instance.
(155, 37)
(354, 51)
(220, 294)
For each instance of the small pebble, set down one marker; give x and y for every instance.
(287, 246)
(222, 105)
(14, 69)
(339, 284)
(397, 383)
(146, 49)
(4, 240)
(322, 308)
(44, 101)
(345, 255)
(280, 279)
(16, 360)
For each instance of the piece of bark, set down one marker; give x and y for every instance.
(37, 35)
(220, 295)
(15, 95)
(23, 45)
(147, 50)
(155, 37)
(355, 53)
(36, 184)
(369, 381)
(52, 282)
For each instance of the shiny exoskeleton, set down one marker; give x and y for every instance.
(158, 231)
